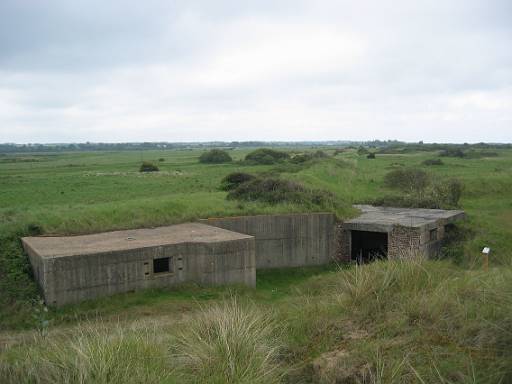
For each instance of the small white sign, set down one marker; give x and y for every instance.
(486, 250)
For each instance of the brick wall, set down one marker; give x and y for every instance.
(343, 240)
(404, 242)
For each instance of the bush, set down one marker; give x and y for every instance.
(452, 152)
(215, 156)
(444, 194)
(405, 202)
(301, 158)
(433, 162)
(448, 192)
(371, 156)
(320, 154)
(233, 180)
(362, 150)
(148, 166)
(266, 156)
(274, 190)
(408, 180)
(161, 159)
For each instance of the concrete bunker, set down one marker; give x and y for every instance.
(75, 268)
(228, 250)
(386, 232)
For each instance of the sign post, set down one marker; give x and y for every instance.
(485, 254)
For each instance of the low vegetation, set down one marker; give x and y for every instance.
(234, 180)
(432, 162)
(441, 321)
(148, 166)
(419, 190)
(410, 321)
(215, 156)
(266, 156)
(275, 190)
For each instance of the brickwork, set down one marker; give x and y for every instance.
(403, 242)
(343, 243)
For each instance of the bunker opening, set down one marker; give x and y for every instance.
(369, 246)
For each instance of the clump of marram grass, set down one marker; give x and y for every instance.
(228, 343)
(452, 324)
(92, 354)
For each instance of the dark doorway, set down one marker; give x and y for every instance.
(369, 246)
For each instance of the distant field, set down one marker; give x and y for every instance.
(80, 192)
(95, 191)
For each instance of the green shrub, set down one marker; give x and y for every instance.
(433, 162)
(274, 191)
(266, 156)
(148, 166)
(320, 154)
(362, 150)
(452, 152)
(405, 202)
(233, 180)
(371, 155)
(215, 156)
(161, 159)
(408, 180)
(301, 158)
(448, 192)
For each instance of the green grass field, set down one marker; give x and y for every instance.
(426, 322)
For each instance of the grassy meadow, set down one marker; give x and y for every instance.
(437, 321)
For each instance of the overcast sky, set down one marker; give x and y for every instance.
(433, 70)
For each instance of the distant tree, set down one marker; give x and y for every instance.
(362, 150)
(215, 156)
(148, 166)
(371, 155)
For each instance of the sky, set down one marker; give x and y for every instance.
(130, 71)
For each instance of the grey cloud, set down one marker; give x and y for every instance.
(191, 70)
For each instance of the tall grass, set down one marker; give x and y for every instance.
(447, 322)
(92, 354)
(229, 344)
(224, 343)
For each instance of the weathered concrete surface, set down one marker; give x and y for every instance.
(75, 268)
(291, 240)
(383, 219)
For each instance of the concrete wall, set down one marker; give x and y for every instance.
(71, 279)
(286, 240)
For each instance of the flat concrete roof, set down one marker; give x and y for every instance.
(61, 246)
(384, 218)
